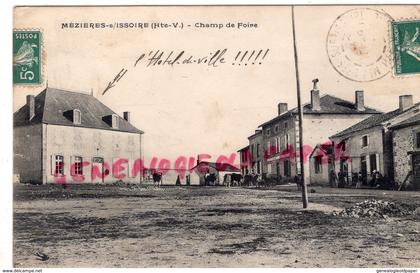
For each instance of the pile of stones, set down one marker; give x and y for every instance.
(375, 208)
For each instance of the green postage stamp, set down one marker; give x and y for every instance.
(27, 57)
(406, 44)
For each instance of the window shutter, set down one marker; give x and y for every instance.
(51, 164)
(72, 170)
(378, 168)
(367, 140)
(361, 141)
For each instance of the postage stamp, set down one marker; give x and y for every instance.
(27, 57)
(406, 47)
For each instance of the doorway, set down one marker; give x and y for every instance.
(363, 169)
(98, 164)
(416, 170)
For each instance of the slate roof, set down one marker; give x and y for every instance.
(51, 104)
(414, 120)
(244, 148)
(259, 132)
(221, 167)
(329, 105)
(372, 121)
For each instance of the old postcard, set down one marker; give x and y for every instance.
(216, 136)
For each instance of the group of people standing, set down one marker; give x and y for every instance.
(341, 180)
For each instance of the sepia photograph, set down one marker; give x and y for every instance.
(224, 136)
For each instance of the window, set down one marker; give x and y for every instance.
(258, 149)
(59, 165)
(115, 121)
(318, 164)
(286, 125)
(287, 168)
(342, 145)
(286, 141)
(418, 140)
(277, 144)
(365, 141)
(77, 116)
(282, 144)
(252, 150)
(78, 167)
(276, 129)
(268, 132)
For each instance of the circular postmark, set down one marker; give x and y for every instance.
(358, 45)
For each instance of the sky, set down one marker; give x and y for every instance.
(191, 109)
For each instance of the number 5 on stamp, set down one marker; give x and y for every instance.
(26, 57)
(406, 45)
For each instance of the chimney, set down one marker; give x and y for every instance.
(198, 159)
(282, 108)
(30, 101)
(406, 101)
(127, 116)
(315, 103)
(359, 100)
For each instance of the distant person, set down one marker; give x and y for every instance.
(206, 178)
(361, 179)
(333, 179)
(298, 181)
(341, 180)
(373, 180)
(178, 181)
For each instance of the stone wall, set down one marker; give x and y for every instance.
(403, 142)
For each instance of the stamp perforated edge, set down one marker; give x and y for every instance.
(42, 59)
(390, 34)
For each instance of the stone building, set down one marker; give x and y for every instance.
(245, 160)
(256, 151)
(406, 147)
(65, 137)
(323, 116)
(369, 143)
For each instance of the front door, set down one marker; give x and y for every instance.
(416, 170)
(363, 169)
(98, 164)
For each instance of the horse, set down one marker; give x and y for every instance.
(210, 179)
(157, 178)
(235, 177)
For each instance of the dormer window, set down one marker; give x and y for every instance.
(77, 116)
(115, 122)
(112, 120)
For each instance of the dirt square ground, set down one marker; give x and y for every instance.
(144, 226)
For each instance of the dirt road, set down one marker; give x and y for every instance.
(110, 226)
